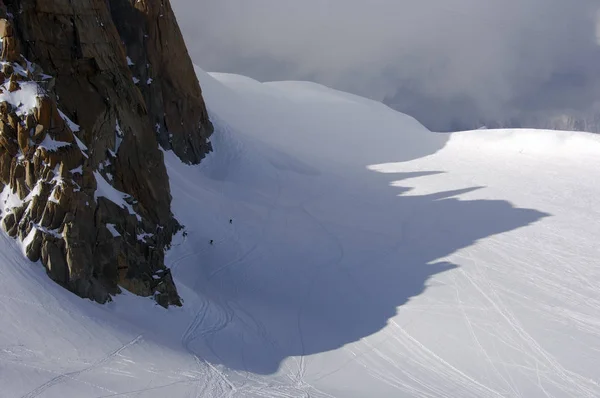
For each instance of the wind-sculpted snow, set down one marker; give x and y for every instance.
(353, 254)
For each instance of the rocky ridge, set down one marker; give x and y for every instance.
(84, 186)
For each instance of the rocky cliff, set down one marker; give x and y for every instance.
(91, 89)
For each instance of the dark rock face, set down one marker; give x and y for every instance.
(88, 189)
(163, 71)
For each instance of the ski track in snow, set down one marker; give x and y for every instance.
(367, 257)
(71, 375)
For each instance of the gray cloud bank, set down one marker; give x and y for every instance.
(453, 64)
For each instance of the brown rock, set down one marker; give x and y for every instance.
(5, 107)
(5, 28)
(7, 70)
(30, 178)
(33, 251)
(17, 180)
(13, 120)
(9, 145)
(23, 137)
(9, 222)
(25, 227)
(51, 158)
(53, 258)
(17, 171)
(87, 58)
(22, 188)
(10, 51)
(72, 157)
(54, 215)
(44, 110)
(39, 134)
(37, 206)
(12, 83)
(30, 121)
(57, 123)
(7, 130)
(64, 135)
(5, 165)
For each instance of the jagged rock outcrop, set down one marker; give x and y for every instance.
(85, 187)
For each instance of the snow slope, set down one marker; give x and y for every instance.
(367, 257)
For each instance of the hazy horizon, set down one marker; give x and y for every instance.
(452, 64)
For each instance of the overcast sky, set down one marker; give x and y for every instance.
(442, 60)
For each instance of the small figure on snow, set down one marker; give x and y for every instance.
(212, 241)
(230, 221)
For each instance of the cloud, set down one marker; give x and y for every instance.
(449, 62)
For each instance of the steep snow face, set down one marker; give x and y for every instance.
(365, 256)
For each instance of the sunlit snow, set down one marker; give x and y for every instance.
(365, 257)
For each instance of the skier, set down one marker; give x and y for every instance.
(212, 241)
(230, 221)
